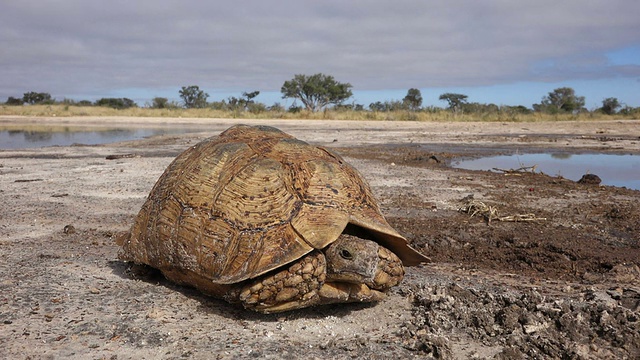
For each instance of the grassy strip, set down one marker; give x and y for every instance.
(442, 115)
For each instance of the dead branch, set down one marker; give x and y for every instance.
(490, 213)
(518, 171)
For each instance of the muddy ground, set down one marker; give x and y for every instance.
(563, 282)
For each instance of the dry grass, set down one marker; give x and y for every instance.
(72, 110)
(490, 213)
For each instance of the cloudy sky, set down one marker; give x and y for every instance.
(503, 51)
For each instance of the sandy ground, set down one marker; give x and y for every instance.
(564, 285)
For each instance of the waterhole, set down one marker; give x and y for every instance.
(63, 136)
(615, 170)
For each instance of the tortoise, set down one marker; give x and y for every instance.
(258, 217)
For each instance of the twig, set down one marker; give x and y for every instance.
(490, 213)
(531, 169)
(121, 156)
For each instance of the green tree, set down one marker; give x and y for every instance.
(561, 100)
(33, 97)
(455, 101)
(610, 106)
(316, 91)
(413, 100)
(193, 97)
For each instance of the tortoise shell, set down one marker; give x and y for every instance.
(251, 200)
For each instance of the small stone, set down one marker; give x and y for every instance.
(532, 328)
(69, 229)
(590, 179)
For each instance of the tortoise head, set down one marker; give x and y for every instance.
(354, 260)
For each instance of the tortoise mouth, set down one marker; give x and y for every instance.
(350, 278)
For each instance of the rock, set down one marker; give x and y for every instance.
(590, 179)
(625, 272)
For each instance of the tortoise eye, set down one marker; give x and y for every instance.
(345, 254)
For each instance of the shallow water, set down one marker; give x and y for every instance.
(615, 170)
(23, 139)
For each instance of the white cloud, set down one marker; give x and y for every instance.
(91, 47)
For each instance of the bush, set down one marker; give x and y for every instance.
(256, 108)
(14, 101)
(116, 103)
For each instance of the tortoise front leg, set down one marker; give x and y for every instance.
(341, 292)
(295, 287)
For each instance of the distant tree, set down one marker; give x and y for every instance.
(193, 97)
(561, 100)
(218, 105)
(234, 104)
(33, 98)
(349, 107)
(294, 109)
(413, 100)
(276, 107)
(116, 103)
(376, 106)
(71, 102)
(630, 111)
(316, 91)
(393, 105)
(159, 103)
(610, 106)
(256, 107)
(479, 108)
(68, 102)
(519, 109)
(250, 104)
(455, 101)
(14, 101)
(248, 97)
(246, 102)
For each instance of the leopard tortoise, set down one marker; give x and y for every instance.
(258, 217)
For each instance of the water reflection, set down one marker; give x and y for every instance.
(22, 138)
(31, 136)
(561, 156)
(616, 170)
